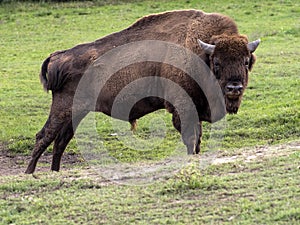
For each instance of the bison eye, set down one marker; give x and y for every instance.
(217, 71)
(247, 61)
(216, 65)
(216, 68)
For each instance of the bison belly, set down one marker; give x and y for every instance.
(132, 92)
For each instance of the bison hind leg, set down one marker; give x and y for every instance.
(60, 144)
(43, 139)
(63, 138)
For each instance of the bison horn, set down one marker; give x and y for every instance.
(253, 45)
(208, 48)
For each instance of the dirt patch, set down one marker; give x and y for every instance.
(259, 153)
(16, 164)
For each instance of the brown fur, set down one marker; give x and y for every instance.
(62, 71)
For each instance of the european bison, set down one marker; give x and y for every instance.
(214, 38)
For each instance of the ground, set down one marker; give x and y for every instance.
(16, 164)
(243, 186)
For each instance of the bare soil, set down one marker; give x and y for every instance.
(11, 164)
(16, 164)
(261, 152)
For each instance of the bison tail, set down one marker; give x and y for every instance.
(44, 72)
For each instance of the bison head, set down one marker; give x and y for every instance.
(231, 58)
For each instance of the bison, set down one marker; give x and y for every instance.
(213, 37)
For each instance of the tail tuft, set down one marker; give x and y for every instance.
(43, 74)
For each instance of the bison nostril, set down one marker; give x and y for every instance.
(239, 87)
(229, 88)
(234, 87)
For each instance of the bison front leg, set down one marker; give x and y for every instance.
(198, 146)
(190, 137)
(190, 133)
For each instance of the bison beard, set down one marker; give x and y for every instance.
(232, 105)
(213, 37)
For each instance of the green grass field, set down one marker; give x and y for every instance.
(265, 191)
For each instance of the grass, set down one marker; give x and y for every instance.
(259, 192)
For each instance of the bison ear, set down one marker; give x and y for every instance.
(207, 48)
(253, 45)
